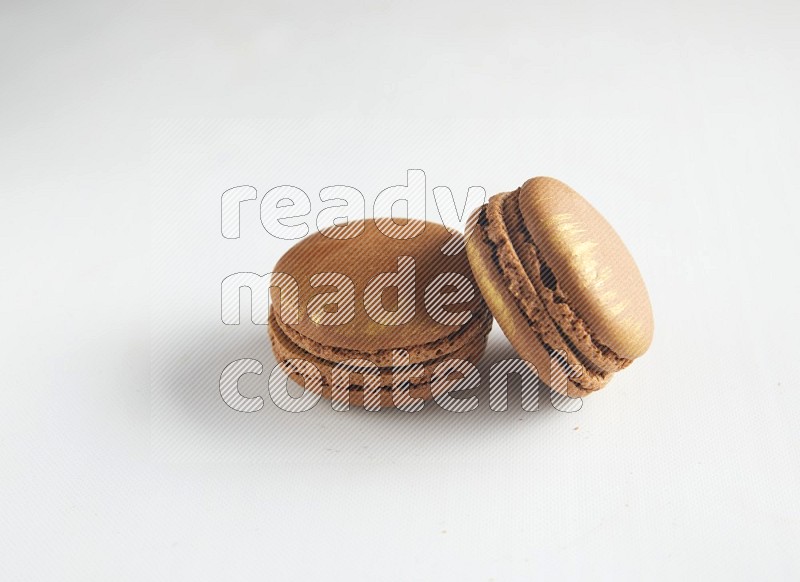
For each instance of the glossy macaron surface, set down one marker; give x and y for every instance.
(598, 276)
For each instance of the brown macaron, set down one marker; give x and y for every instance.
(361, 303)
(561, 284)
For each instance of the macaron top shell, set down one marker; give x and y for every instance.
(591, 265)
(361, 259)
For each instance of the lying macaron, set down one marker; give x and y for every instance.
(561, 284)
(378, 304)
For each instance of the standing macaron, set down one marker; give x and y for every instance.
(561, 283)
(375, 312)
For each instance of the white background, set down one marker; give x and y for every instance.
(679, 122)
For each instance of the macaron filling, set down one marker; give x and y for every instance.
(478, 326)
